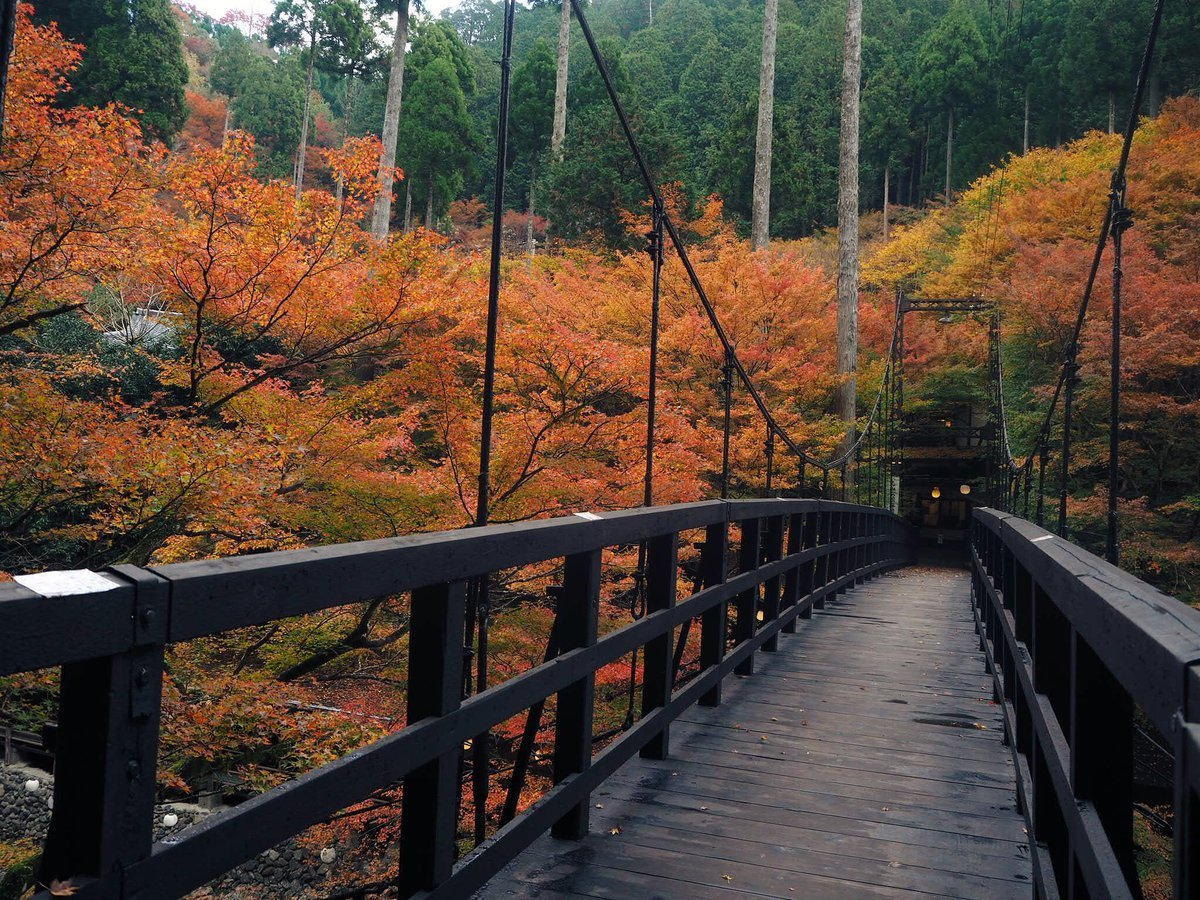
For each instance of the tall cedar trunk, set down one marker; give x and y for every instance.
(225, 128)
(887, 179)
(529, 224)
(847, 285)
(922, 183)
(308, 89)
(949, 149)
(1025, 134)
(429, 205)
(558, 129)
(382, 216)
(348, 102)
(407, 204)
(1112, 111)
(760, 226)
(8, 30)
(1154, 91)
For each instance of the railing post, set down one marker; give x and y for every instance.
(860, 552)
(791, 581)
(662, 572)
(714, 564)
(1023, 622)
(885, 527)
(108, 721)
(747, 601)
(874, 549)
(773, 550)
(868, 549)
(429, 815)
(808, 570)
(578, 616)
(1005, 650)
(1102, 750)
(1049, 825)
(1051, 654)
(841, 530)
(825, 565)
(1187, 801)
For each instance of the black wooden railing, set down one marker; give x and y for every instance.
(1077, 647)
(793, 554)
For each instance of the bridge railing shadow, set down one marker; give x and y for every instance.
(109, 631)
(1076, 646)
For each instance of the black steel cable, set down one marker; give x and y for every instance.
(681, 250)
(1068, 375)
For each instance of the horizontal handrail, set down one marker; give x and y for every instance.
(1146, 638)
(111, 681)
(1076, 645)
(216, 595)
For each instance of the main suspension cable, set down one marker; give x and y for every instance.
(677, 242)
(1115, 220)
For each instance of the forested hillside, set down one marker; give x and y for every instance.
(1033, 73)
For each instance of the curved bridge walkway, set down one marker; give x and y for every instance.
(864, 759)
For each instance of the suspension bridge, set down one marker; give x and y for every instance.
(855, 724)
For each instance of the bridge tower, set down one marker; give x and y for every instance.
(947, 460)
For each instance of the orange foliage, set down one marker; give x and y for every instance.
(206, 121)
(1024, 235)
(75, 185)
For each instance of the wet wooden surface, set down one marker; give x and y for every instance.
(863, 759)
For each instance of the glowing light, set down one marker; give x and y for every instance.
(964, 489)
(935, 493)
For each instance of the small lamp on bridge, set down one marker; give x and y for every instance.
(935, 493)
(964, 489)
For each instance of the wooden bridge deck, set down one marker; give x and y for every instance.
(864, 759)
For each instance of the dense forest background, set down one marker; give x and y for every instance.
(1015, 74)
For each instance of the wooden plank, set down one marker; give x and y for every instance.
(687, 795)
(984, 768)
(850, 765)
(804, 792)
(772, 861)
(939, 780)
(674, 875)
